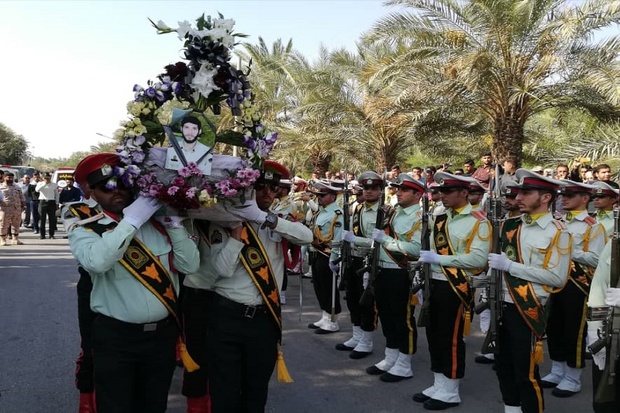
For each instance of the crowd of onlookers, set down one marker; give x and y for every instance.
(33, 203)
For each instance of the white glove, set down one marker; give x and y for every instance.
(379, 235)
(499, 262)
(171, 221)
(249, 211)
(140, 210)
(348, 236)
(334, 267)
(612, 297)
(598, 358)
(429, 257)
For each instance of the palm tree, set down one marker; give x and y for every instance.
(496, 63)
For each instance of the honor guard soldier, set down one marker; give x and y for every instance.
(476, 195)
(363, 221)
(605, 196)
(535, 258)
(566, 332)
(133, 262)
(460, 243)
(326, 225)
(244, 326)
(602, 293)
(400, 242)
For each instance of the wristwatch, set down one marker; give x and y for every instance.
(270, 221)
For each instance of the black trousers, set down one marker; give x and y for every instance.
(361, 316)
(518, 374)
(322, 283)
(194, 313)
(566, 327)
(241, 356)
(47, 209)
(133, 367)
(84, 367)
(445, 332)
(36, 217)
(609, 407)
(395, 310)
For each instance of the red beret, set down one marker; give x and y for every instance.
(274, 171)
(96, 168)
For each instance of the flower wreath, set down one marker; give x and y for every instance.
(205, 82)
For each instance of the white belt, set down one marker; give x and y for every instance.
(389, 265)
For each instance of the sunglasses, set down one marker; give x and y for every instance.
(262, 186)
(449, 190)
(321, 194)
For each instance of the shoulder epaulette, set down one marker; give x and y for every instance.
(479, 215)
(559, 225)
(589, 220)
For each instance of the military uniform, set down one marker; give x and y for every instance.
(600, 284)
(460, 243)
(363, 317)
(11, 211)
(135, 325)
(327, 226)
(567, 308)
(605, 217)
(535, 259)
(400, 243)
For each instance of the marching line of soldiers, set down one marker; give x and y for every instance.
(545, 263)
(157, 288)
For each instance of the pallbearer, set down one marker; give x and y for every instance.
(460, 243)
(535, 258)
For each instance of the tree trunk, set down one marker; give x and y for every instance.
(508, 137)
(320, 162)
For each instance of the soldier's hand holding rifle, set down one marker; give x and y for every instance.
(499, 262)
(429, 257)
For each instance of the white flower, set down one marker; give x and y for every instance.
(203, 81)
(162, 26)
(184, 28)
(226, 24)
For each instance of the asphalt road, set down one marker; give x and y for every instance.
(39, 343)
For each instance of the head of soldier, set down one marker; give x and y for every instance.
(371, 183)
(95, 174)
(8, 178)
(325, 195)
(476, 194)
(453, 189)
(605, 195)
(410, 190)
(299, 185)
(510, 165)
(190, 129)
(536, 193)
(267, 186)
(285, 188)
(575, 197)
(509, 193)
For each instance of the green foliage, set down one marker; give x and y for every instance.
(13, 147)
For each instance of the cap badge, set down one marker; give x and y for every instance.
(269, 175)
(106, 170)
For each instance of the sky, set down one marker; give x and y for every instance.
(68, 67)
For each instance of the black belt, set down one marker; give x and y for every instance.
(249, 311)
(136, 327)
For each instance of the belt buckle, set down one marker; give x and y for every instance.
(149, 327)
(250, 311)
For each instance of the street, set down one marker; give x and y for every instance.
(39, 343)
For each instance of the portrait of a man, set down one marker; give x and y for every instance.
(190, 148)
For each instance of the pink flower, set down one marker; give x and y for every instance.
(173, 190)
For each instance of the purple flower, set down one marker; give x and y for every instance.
(173, 190)
(150, 92)
(138, 156)
(191, 193)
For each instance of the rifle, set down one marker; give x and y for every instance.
(494, 287)
(345, 248)
(424, 271)
(610, 334)
(371, 261)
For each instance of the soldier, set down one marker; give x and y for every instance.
(476, 196)
(535, 254)
(567, 309)
(327, 228)
(11, 208)
(244, 324)
(400, 242)
(605, 196)
(460, 243)
(363, 221)
(601, 294)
